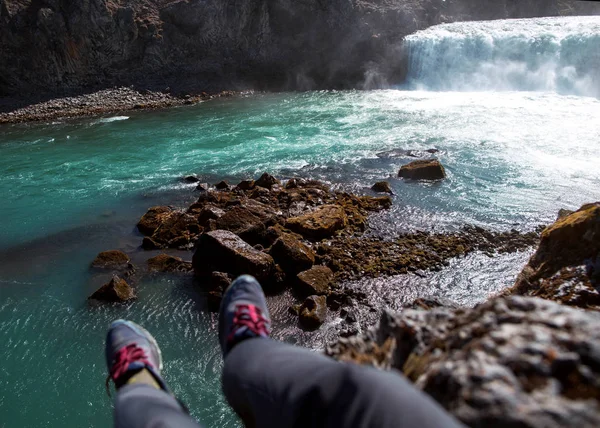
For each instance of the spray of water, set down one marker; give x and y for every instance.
(543, 54)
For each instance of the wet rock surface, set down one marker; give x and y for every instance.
(116, 290)
(167, 263)
(426, 169)
(514, 362)
(313, 312)
(382, 187)
(566, 265)
(351, 257)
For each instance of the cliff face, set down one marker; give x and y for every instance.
(50, 46)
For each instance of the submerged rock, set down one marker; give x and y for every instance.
(116, 290)
(316, 280)
(566, 265)
(313, 312)
(319, 224)
(190, 179)
(223, 251)
(167, 263)
(511, 362)
(112, 259)
(428, 169)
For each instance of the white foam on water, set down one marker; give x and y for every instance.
(542, 54)
(112, 119)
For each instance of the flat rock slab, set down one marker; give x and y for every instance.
(319, 224)
(223, 251)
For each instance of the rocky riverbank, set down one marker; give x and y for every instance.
(513, 361)
(54, 47)
(106, 101)
(301, 235)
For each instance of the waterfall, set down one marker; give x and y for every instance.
(540, 54)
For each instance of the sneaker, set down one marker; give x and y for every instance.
(129, 349)
(243, 313)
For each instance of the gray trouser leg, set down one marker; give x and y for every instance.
(142, 406)
(271, 384)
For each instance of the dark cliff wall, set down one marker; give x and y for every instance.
(54, 46)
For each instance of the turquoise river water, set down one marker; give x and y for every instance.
(70, 189)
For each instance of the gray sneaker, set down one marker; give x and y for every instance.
(243, 313)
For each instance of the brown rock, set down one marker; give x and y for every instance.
(319, 224)
(382, 187)
(267, 181)
(190, 179)
(177, 229)
(316, 280)
(292, 254)
(222, 185)
(117, 290)
(245, 185)
(313, 312)
(112, 259)
(243, 222)
(150, 244)
(167, 263)
(209, 212)
(223, 251)
(565, 266)
(152, 219)
(428, 169)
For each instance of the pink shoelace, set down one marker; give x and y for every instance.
(125, 356)
(251, 317)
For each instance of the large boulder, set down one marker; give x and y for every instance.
(316, 280)
(566, 265)
(116, 290)
(510, 362)
(426, 169)
(292, 254)
(223, 251)
(319, 224)
(112, 259)
(313, 312)
(167, 263)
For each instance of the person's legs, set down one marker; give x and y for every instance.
(272, 384)
(134, 363)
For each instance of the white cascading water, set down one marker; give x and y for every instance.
(541, 54)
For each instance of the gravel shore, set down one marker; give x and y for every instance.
(101, 102)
